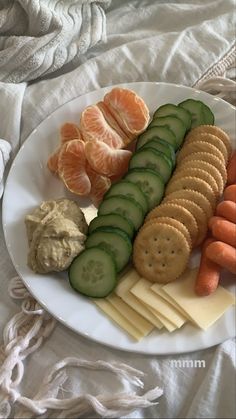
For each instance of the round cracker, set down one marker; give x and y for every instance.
(160, 252)
(196, 147)
(195, 184)
(212, 129)
(177, 213)
(209, 158)
(199, 215)
(193, 196)
(199, 173)
(210, 139)
(174, 223)
(209, 168)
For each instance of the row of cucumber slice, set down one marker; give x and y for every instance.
(108, 247)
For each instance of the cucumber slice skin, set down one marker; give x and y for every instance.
(152, 159)
(169, 109)
(112, 240)
(127, 207)
(208, 115)
(128, 189)
(162, 146)
(196, 109)
(162, 132)
(150, 182)
(173, 123)
(112, 220)
(96, 281)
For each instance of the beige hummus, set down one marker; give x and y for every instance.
(56, 232)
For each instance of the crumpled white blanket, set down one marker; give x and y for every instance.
(169, 41)
(38, 37)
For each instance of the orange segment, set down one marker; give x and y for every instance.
(99, 185)
(113, 123)
(52, 162)
(71, 167)
(129, 110)
(94, 126)
(70, 131)
(106, 160)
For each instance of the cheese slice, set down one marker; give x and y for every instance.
(166, 323)
(158, 289)
(123, 291)
(114, 314)
(204, 311)
(131, 315)
(142, 290)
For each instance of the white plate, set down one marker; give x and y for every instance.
(30, 182)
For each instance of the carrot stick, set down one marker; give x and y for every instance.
(230, 193)
(213, 219)
(223, 254)
(227, 209)
(231, 169)
(208, 273)
(224, 231)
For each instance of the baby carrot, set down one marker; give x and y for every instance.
(231, 169)
(208, 273)
(213, 219)
(230, 193)
(224, 231)
(227, 209)
(223, 254)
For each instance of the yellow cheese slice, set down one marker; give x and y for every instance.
(131, 315)
(166, 323)
(123, 291)
(142, 290)
(114, 314)
(158, 289)
(204, 311)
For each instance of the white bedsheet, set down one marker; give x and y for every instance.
(172, 41)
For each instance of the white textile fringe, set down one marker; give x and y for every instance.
(23, 335)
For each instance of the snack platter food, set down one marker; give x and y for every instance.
(29, 183)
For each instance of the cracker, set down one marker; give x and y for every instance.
(199, 173)
(195, 184)
(199, 146)
(209, 168)
(160, 252)
(193, 196)
(177, 213)
(199, 215)
(174, 223)
(209, 158)
(212, 129)
(210, 139)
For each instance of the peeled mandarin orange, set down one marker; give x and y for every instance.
(94, 126)
(113, 123)
(99, 185)
(106, 160)
(72, 167)
(129, 110)
(52, 162)
(70, 131)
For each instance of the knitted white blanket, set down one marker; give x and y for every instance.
(38, 37)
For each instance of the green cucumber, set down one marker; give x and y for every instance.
(93, 273)
(128, 189)
(161, 145)
(113, 240)
(150, 183)
(174, 124)
(196, 109)
(152, 159)
(162, 132)
(112, 220)
(169, 110)
(127, 207)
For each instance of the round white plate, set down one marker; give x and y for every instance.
(30, 182)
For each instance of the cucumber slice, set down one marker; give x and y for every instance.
(112, 240)
(93, 273)
(129, 190)
(127, 207)
(152, 159)
(112, 220)
(151, 184)
(208, 115)
(162, 132)
(161, 145)
(196, 109)
(169, 109)
(173, 123)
